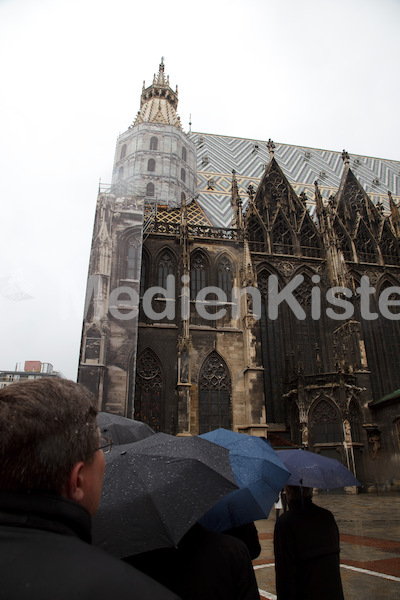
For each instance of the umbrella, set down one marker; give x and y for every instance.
(156, 489)
(313, 470)
(259, 473)
(122, 430)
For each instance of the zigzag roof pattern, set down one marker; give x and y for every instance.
(218, 155)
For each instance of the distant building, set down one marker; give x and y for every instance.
(32, 369)
(219, 213)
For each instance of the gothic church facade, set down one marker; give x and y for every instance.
(187, 212)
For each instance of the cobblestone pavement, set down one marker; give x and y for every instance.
(369, 526)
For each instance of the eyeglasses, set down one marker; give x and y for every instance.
(106, 445)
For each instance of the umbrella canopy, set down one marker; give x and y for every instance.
(313, 470)
(259, 473)
(156, 489)
(122, 430)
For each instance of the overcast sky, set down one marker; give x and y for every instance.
(318, 73)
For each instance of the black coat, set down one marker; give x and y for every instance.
(249, 535)
(306, 544)
(45, 554)
(205, 566)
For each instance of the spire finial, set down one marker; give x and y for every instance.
(161, 78)
(345, 157)
(271, 147)
(190, 122)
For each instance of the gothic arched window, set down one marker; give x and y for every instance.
(151, 165)
(198, 274)
(309, 239)
(272, 355)
(344, 242)
(153, 143)
(225, 277)
(150, 190)
(326, 424)
(389, 247)
(183, 175)
(123, 152)
(374, 351)
(281, 237)
(184, 153)
(309, 332)
(387, 340)
(166, 266)
(148, 391)
(215, 394)
(365, 245)
(256, 235)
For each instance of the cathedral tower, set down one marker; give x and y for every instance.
(155, 165)
(154, 155)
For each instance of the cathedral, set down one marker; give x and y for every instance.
(249, 285)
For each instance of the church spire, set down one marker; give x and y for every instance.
(158, 102)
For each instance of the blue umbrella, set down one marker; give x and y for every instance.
(259, 473)
(313, 470)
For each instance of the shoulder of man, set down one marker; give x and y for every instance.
(117, 579)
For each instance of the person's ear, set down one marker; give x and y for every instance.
(75, 488)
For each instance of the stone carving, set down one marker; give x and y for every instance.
(250, 191)
(347, 431)
(373, 276)
(286, 268)
(304, 436)
(374, 440)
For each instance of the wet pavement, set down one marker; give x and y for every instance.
(369, 527)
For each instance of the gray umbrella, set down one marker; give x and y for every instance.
(156, 489)
(122, 430)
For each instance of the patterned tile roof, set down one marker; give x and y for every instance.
(195, 214)
(218, 155)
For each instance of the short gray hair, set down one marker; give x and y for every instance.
(47, 425)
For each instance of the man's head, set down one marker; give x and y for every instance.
(294, 493)
(49, 439)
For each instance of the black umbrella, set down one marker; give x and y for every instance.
(122, 430)
(156, 489)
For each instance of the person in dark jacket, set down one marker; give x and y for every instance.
(249, 535)
(306, 545)
(51, 475)
(205, 566)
